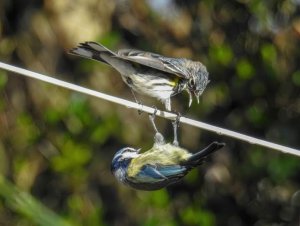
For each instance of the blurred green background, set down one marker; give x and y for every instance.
(56, 145)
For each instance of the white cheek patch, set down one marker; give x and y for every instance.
(129, 155)
(120, 174)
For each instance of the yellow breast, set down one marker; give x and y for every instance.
(166, 154)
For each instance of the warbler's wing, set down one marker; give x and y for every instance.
(152, 174)
(167, 64)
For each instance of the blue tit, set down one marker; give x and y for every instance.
(162, 165)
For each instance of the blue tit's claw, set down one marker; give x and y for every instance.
(176, 143)
(175, 128)
(153, 115)
(155, 111)
(177, 121)
(158, 139)
(152, 119)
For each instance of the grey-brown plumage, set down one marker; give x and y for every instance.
(150, 73)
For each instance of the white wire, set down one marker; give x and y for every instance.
(164, 114)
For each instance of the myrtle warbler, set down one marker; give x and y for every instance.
(150, 73)
(162, 165)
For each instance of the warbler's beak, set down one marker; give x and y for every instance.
(197, 95)
(190, 97)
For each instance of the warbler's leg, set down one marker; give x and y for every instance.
(133, 94)
(136, 100)
(175, 128)
(167, 103)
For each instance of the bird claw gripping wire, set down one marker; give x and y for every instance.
(158, 137)
(175, 125)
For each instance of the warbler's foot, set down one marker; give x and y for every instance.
(140, 103)
(137, 101)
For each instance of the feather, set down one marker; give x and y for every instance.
(149, 174)
(167, 64)
(198, 157)
(91, 50)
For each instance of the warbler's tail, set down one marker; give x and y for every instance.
(198, 158)
(92, 50)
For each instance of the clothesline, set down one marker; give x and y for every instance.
(164, 114)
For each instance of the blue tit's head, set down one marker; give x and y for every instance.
(123, 157)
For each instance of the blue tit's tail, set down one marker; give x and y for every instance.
(199, 157)
(92, 50)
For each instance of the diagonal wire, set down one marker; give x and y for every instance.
(164, 114)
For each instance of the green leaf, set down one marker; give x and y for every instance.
(25, 204)
(268, 53)
(222, 54)
(296, 78)
(3, 79)
(245, 70)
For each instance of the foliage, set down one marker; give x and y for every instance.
(56, 145)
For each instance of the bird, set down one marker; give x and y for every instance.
(159, 167)
(149, 73)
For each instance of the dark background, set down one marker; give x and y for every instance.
(56, 145)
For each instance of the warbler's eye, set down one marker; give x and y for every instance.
(192, 83)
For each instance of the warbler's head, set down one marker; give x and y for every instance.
(198, 80)
(123, 157)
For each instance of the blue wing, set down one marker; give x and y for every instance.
(172, 171)
(152, 174)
